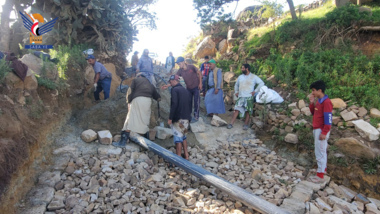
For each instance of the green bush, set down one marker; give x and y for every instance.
(4, 70)
(235, 49)
(47, 83)
(345, 16)
(224, 65)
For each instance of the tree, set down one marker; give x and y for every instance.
(4, 27)
(208, 10)
(292, 10)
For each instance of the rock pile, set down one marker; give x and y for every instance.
(132, 181)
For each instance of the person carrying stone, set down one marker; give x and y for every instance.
(214, 97)
(102, 79)
(245, 91)
(145, 65)
(321, 107)
(180, 114)
(205, 67)
(170, 63)
(139, 98)
(193, 79)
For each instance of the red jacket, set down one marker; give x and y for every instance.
(322, 114)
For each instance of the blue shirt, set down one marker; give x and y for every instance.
(99, 68)
(145, 64)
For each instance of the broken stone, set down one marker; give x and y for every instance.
(301, 104)
(88, 136)
(374, 113)
(217, 121)
(105, 137)
(366, 130)
(198, 127)
(109, 151)
(296, 112)
(292, 105)
(306, 111)
(291, 138)
(338, 103)
(348, 115)
(49, 178)
(362, 112)
(163, 133)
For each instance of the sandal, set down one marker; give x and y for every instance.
(245, 127)
(315, 179)
(229, 126)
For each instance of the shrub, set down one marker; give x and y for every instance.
(224, 65)
(345, 16)
(4, 70)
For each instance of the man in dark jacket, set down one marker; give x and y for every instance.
(180, 114)
(139, 98)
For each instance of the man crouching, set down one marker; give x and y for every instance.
(180, 114)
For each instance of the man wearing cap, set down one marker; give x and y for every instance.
(193, 79)
(102, 79)
(180, 114)
(134, 61)
(139, 99)
(170, 62)
(145, 65)
(214, 97)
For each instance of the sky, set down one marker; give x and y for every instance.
(176, 25)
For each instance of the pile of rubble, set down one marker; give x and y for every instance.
(129, 180)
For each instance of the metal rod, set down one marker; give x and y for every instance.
(238, 193)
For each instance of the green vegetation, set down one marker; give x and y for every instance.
(372, 166)
(305, 136)
(4, 70)
(374, 121)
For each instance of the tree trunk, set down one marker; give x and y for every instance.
(292, 10)
(4, 26)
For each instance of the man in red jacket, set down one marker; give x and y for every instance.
(321, 108)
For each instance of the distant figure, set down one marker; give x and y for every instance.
(134, 61)
(170, 63)
(139, 101)
(193, 79)
(321, 107)
(180, 114)
(145, 65)
(205, 67)
(245, 91)
(102, 79)
(214, 97)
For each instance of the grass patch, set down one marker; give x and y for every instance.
(374, 121)
(371, 166)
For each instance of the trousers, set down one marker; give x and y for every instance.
(320, 149)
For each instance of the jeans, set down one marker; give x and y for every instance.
(204, 89)
(195, 97)
(105, 86)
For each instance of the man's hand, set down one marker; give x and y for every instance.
(95, 85)
(253, 93)
(200, 86)
(311, 98)
(164, 87)
(216, 91)
(169, 122)
(322, 137)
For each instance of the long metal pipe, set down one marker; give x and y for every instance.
(238, 193)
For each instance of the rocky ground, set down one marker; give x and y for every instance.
(96, 178)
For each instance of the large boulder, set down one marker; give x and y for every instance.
(223, 46)
(353, 147)
(338, 103)
(228, 76)
(233, 33)
(206, 48)
(30, 82)
(366, 130)
(43, 68)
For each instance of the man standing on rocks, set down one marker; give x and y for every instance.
(170, 63)
(102, 79)
(193, 79)
(134, 61)
(245, 91)
(180, 114)
(205, 67)
(214, 97)
(139, 99)
(321, 107)
(145, 65)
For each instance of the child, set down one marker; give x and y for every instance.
(321, 108)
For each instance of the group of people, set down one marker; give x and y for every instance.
(208, 81)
